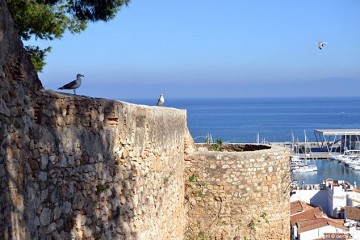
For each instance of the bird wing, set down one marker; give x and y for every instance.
(160, 101)
(70, 84)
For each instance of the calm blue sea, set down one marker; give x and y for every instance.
(273, 120)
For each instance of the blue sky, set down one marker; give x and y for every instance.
(203, 48)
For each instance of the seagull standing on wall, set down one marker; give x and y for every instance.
(74, 84)
(321, 44)
(161, 100)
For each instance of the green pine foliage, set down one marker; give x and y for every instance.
(37, 56)
(49, 19)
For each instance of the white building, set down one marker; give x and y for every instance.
(332, 196)
(308, 222)
(338, 199)
(320, 228)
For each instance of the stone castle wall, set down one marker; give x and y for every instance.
(238, 195)
(101, 169)
(73, 167)
(87, 168)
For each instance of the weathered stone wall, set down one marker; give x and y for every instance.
(94, 169)
(238, 194)
(82, 168)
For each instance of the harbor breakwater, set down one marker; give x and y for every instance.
(74, 167)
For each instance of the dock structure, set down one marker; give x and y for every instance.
(329, 142)
(338, 140)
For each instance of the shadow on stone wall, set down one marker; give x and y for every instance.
(84, 168)
(93, 168)
(115, 169)
(58, 180)
(18, 81)
(74, 185)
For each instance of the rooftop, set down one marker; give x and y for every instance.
(299, 206)
(307, 225)
(352, 213)
(314, 213)
(337, 132)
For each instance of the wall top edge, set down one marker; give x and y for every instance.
(272, 150)
(69, 96)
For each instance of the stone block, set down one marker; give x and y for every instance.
(44, 161)
(62, 161)
(67, 208)
(45, 216)
(57, 212)
(43, 176)
(78, 202)
(52, 227)
(3, 108)
(2, 170)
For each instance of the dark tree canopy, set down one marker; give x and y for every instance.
(49, 19)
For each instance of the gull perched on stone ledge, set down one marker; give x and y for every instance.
(74, 84)
(161, 100)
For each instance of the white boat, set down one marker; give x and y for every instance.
(295, 157)
(356, 167)
(299, 162)
(348, 160)
(305, 168)
(354, 164)
(346, 155)
(302, 166)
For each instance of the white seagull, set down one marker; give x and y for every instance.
(321, 44)
(74, 84)
(161, 100)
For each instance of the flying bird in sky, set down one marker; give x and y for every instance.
(161, 100)
(321, 44)
(74, 84)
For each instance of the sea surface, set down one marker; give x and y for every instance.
(248, 120)
(328, 169)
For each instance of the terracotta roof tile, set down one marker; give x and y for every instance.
(307, 225)
(299, 206)
(352, 213)
(307, 215)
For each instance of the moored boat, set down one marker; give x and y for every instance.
(304, 168)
